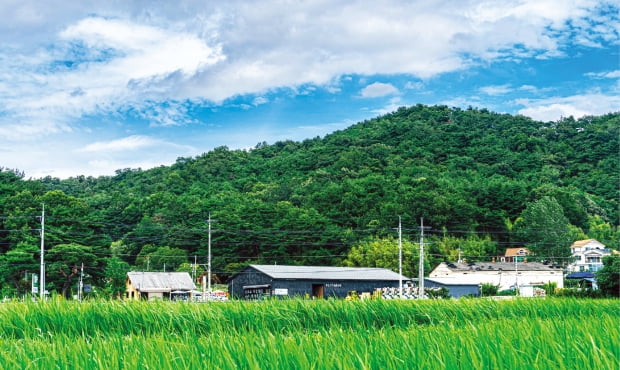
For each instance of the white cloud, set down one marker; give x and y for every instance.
(414, 85)
(552, 109)
(378, 89)
(496, 89)
(124, 144)
(114, 63)
(393, 104)
(65, 65)
(201, 51)
(259, 100)
(608, 74)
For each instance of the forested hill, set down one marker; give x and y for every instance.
(468, 173)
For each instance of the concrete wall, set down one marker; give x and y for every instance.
(507, 279)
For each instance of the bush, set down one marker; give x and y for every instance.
(438, 293)
(550, 288)
(579, 293)
(488, 289)
(507, 292)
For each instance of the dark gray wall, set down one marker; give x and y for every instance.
(303, 288)
(456, 291)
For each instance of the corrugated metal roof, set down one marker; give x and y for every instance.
(580, 275)
(161, 281)
(328, 273)
(494, 266)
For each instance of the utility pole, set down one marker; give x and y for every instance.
(209, 260)
(400, 259)
(81, 284)
(42, 278)
(194, 270)
(421, 267)
(516, 276)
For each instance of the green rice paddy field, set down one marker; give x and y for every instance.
(304, 334)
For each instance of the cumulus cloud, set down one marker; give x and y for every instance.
(378, 89)
(65, 65)
(551, 109)
(125, 56)
(101, 65)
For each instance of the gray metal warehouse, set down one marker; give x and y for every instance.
(258, 281)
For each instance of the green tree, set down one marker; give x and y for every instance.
(608, 278)
(472, 248)
(602, 231)
(115, 274)
(16, 264)
(159, 258)
(383, 252)
(64, 266)
(545, 230)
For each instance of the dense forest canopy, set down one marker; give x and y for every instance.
(481, 182)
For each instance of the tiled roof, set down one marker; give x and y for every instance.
(328, 273)
(512, 252)
(581, 243)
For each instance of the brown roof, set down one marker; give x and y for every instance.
(581, 243)
(514, 252)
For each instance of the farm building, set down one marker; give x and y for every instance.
(455, 288)
(504, 274)
(158, 285)
(257, 281)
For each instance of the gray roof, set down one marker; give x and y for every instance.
(161, 281)
(328, 273)
(503, 266)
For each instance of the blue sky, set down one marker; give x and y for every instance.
(90, 87)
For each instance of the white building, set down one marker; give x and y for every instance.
(588, 255)
(505, 275)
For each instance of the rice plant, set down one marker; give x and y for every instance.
(433, 334)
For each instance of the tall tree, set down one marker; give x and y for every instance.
(545, 230)
(383, 252)
(608, 278)
(15, 266)
(65, 262)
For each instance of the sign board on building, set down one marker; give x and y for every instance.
(280, 291)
